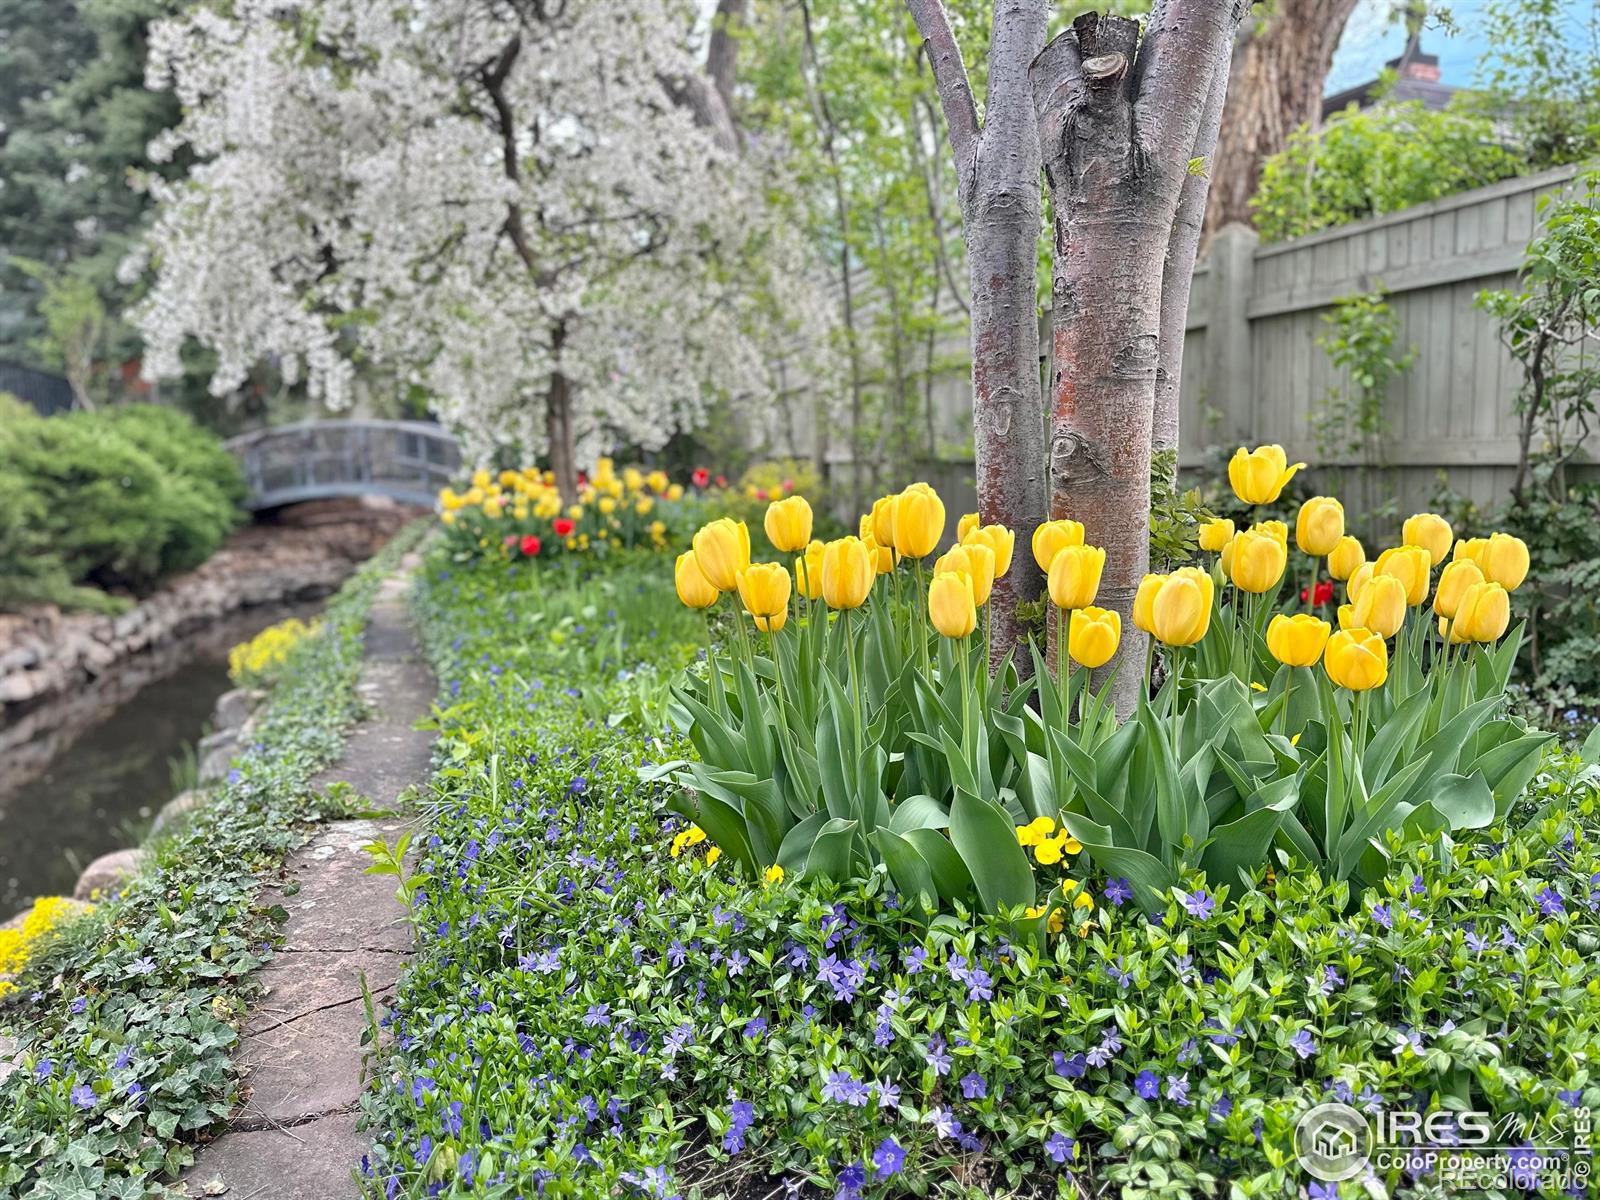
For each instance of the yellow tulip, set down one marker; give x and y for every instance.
(1430, 531)
(657, 481)
(480, 478)
(1144, 602)
(607, 505)
(1358, 580)
(1297, 641)
(694, 589)
(975, 561)
(1411, 566)
(1257, 561)
(1381, 607)
(633, 479)
(808, 572)
(967, 523)
(882, 518)
(951, 607)
(776, 621)
(1505, 561)
(1277, 529)
(1319, 526)
(1356, 659)
(999, 539)
(1051, 538)
(1471, 549)
(1214, 535)
(675, 492)
(1180, 613)
(1345, 559)
(1225, 559)
(788, 524)
(1075, 576)
(1092, 636)
(882, 557)
(1483, 614)
(1259, 476)
(764, 588)
(1457, 576)
(918, 521)
(847, 573)
(722, 548)
(1347, 617)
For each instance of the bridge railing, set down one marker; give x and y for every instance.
(408, 461)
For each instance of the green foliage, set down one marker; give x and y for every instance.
(140, 1002)
(1176, 514)
(115, 498)
(1371, 161)
(1540, 76)
(718, 1026)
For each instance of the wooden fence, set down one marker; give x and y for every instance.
(1253, 371)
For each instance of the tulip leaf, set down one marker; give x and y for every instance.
(715, 741)
(1150, 877)
(911, 873)
(919, 812)
(960, 768)
(796, 847)
(1509, 767)
(1465, 801)
(986, 840)
(725, 826)
(1394, 735)
(950, 874)
(832, 854)
(1440, 753)
(1241, 845)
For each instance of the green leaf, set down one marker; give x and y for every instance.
(986, 840)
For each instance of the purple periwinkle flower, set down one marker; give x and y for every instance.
(974, 1086)
(1060, 1147)
(887, 1158)
(1199, 904)
(1147, 1085)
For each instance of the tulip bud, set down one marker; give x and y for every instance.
(1483, 614)
(776, 621)
(975, 561)
(1180, 613)
(1381, 607)
(951, 607)
(1258, 560)
(1430, 531)
(1471, 549)
(1358, 580)
(1297, 641)
(918, 521)
(1225, 559)
(1505, 561)
(1144, 602)
(1051, 538)
(1411, 565)
(1214, 535)
(694, 589)
(882, 556)
(1319, 526)
(1347, 617)
(1356, 659)
(1457, 576)
(882, 521)
(1259, 476)
(764, 588)
(788, 524)
(808, 572)
(1075, 576)
(967, 523)
(1345, 559)
(722, 548)
(999, 539)
(1092, 636)
(847, 573)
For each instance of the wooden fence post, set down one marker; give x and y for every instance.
(1229, 372)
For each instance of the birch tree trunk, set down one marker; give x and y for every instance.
(997, 172)
(1120, 119)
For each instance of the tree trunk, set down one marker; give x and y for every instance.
(1119, 122)
(558, 422)
(997, 169)
(1280, 64)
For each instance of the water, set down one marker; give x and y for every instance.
(85, 775)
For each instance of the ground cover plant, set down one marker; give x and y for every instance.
(604, 999)
(126, 1019)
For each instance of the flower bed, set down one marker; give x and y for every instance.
(601, 1001)
(127, 1019)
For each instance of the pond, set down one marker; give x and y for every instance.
(86, 775)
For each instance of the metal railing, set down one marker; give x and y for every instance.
(408, 461)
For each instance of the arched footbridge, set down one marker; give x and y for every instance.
(408, 461)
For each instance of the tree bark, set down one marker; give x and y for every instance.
(1280, 64)
(997, 171)
(558, 421)
(1119, 120)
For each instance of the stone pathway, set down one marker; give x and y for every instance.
(294, 1137)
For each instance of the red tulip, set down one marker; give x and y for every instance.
(530, 545)
(788, 485)
(1322, 595)
(761, 493)
(700, 477)
(722, 481)
(563, 526)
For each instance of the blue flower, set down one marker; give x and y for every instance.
(973, 1086)
(1178, 1090)
(888, 1158)
(83, 1096)
(937, 1056)
(1303, 1044)
(1147, 1085)
(851, 1180)
(1119, 892)
(1550, 903)
(755, 1026)
(1070, 1068)
(842, 1087)
(1060, 1147)
(1200, 904)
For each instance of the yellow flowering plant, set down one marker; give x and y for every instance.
(258, 661)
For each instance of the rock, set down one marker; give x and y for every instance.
(233, 709)
(108, 872)
(19, 658)
(180, 805)
(14, 689)
(215, 752)
(8, 1047)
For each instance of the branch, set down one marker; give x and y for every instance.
(950, 76)
(1058, 92)
(1177, 61)
(722, 56)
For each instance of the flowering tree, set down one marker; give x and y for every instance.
(533, 210)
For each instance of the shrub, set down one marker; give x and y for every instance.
(1366, 162)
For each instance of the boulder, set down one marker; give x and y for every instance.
(180, 805)
(215, 752)
(8, 1047)
(106, 873)
(233, 709)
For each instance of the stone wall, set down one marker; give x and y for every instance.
(304, 553)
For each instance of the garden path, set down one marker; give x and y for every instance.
(294, 1137)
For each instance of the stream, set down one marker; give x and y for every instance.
(85, 775)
